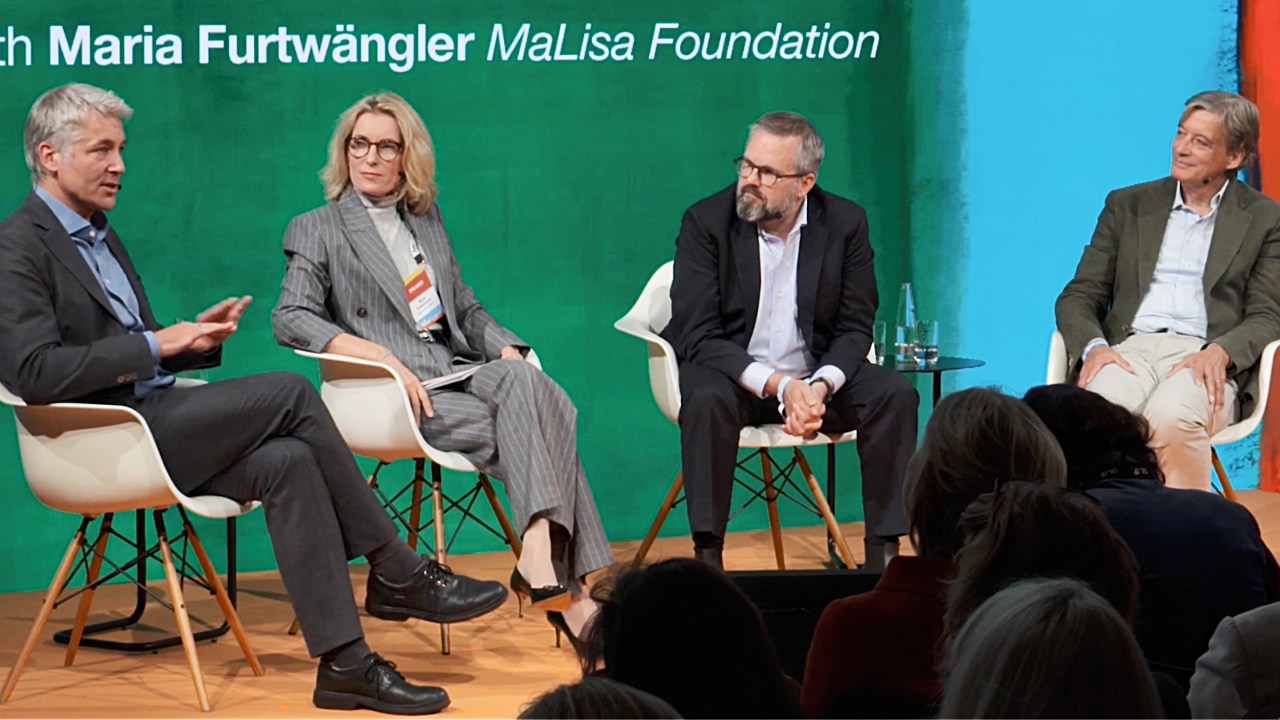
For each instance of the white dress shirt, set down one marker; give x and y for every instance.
(776, 344)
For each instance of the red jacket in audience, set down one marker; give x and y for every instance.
(883, 642)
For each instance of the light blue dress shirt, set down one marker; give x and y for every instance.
(1175, 298)
(91, 241)
(776, 344)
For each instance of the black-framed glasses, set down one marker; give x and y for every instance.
(387, 149)
(768, 176)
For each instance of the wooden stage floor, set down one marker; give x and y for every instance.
(498, 664)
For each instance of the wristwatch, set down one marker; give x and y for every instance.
(831, 388)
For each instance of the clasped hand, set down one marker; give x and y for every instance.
(210, 329)
(804, 407)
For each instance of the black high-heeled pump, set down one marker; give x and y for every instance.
(558, 622)
(547, 597)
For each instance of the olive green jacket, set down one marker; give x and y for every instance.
(1241, 276)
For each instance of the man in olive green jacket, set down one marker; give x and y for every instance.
(1178, 292)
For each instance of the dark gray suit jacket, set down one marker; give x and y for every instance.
(59, 338)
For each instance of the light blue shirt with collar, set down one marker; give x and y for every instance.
(776, 344)
(1175, 298)
(91, 241)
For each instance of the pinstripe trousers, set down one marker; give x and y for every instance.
(515, 423)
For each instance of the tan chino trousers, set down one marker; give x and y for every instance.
(1181, 418)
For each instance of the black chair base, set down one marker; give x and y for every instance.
(63, 637)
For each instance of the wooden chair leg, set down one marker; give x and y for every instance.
(42, 617)
(224, 602)
(503, 520)
(415, 510)
(771, 501)
(437, 514)
(86, 597)
(833, 527)
(659, 519)
(180, 612)
(1227, 491)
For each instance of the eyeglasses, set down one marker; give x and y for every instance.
(387, 149)
(768, 176)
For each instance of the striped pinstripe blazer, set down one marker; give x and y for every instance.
(340, 278)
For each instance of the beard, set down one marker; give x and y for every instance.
(759, 211)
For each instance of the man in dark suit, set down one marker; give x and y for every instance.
(772, 304)
(1178, 291)
(76, 326)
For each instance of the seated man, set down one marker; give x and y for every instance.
(772, 304)
(76, 325)
(1178, 292)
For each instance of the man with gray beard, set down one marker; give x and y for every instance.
(772, 305)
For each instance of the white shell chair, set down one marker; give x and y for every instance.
(651, 313)
(372, 411)
(96, 460)
(1057, 373)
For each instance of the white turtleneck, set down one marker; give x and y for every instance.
(395, 234)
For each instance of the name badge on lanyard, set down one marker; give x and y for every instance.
(424, 301)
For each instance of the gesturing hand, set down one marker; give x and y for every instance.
(228, 310)
(183, 336)
(510, 353)
(419, 401)
(1209, 370)
(1100, 357)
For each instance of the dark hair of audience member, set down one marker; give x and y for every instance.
(974, 439)
(1047, 648)
(1099, 438)
(597, 697)
(1026, 530)
(682, 630)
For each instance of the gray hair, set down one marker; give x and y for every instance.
(1047, 648)
(789, 124)
(1239, 118)
(58, 115)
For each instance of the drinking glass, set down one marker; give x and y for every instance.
(904, 344)
(880, 336)
(927, 342)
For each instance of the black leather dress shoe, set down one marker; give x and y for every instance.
(434, 594)
(711, 556)
(375, 684)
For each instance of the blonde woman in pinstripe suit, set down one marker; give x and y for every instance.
(344, 291)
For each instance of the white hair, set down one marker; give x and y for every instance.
(57, 116)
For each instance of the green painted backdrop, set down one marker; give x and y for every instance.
(562, 185)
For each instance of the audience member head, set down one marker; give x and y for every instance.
(381, 146)
(975, 439)
(682, 630)
(1099, 439)
(1027, 530)
(597, 697)
(1047, 648)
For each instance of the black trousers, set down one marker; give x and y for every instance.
(269, 437)
(879, 403)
